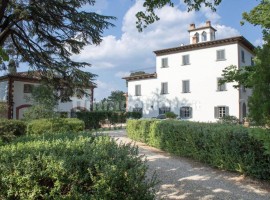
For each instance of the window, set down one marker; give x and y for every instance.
(221, 111)
(27, 88)
(212, 36)
(251, 61)
(204, 36)
(196, 38)
(164, 62)
(185, 112)
(221, 87)
(164, 88)
(164, 109)
(138, 90)
(185, 86)
(185, 60)
(242, 56)
(138, 110)
(221, 54)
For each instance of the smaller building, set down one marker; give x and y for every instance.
(15, 91)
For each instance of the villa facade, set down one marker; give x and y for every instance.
(186, 79)
(15, 91)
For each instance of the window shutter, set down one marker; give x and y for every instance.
(218, 55)
(216, 112)
(164, 62)
(227, 111)
(181, 113)
(166, 88)
(190, 112)
(222, 54)
(183, 86)
(139, 90)
(187, 86)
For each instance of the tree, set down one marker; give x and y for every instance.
(256, 77)
(46, 33)
(118, 100)
(44, 100)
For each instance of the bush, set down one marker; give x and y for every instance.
(10, 129)
(229, 120)
(94, 119)
(55, 125)
(228, 147)
(170, 115)
(72, 166)
(134, 115)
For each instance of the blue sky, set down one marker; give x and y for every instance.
(124, 49)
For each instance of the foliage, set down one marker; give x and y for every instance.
(44, 102)
(3, 110)
(228, 147)
(94, 119)
(256, 77)
(118, 100)
(46, 38)
(10, 129)
(134, 115)
(229, 120)
(149, 16)
(72, 166)
(55, 125)
(170, 115)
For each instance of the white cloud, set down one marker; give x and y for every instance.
(259, 42)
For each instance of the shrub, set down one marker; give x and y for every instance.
(55, 125)
(170, 115)
(134, 115)
(94, 119)
(72, 166)
(9, 129)
(229, 120)
(228, 147)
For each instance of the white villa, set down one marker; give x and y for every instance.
(15, 90)
(186, 79)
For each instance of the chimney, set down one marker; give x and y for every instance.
(191, 26)
(208, 23)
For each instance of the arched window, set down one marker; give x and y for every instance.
(204, 36)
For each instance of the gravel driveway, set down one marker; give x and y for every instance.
(182, 178)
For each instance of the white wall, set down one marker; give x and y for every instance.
(3, 90)
(202, 72)
(21, 98)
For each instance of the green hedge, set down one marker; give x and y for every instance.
(93, 119)
(72, 166)
(229, 147)
(10, 129)
(55, 125)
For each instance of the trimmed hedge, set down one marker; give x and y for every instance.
(93, 119)
(55, 125)
(10, 129)
(72, 166)
(229, 147)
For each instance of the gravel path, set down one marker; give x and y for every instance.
(182, 178)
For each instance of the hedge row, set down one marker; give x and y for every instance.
(10, 129)
(56, 125)
(72, 166)
(94, 119)
(229, 147)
